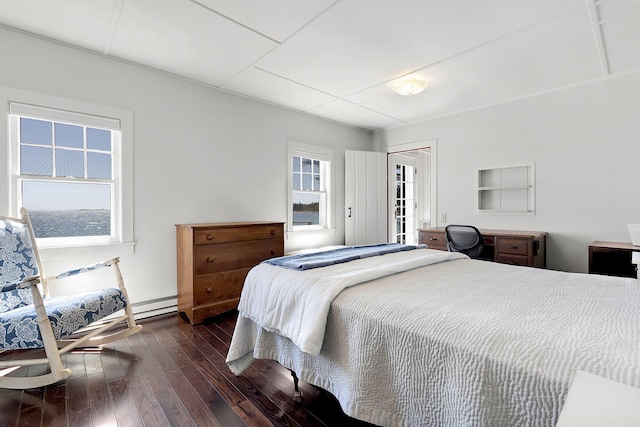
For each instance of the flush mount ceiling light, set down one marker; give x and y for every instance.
(409, 86)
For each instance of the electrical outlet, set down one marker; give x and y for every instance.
(443, 217)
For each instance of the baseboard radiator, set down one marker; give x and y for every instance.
(154, 307)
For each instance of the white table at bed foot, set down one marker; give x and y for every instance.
(597, 401)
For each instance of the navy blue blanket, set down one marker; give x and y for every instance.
(337, 256)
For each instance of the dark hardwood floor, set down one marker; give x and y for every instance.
(170, 374)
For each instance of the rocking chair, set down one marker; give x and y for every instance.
(32, 319)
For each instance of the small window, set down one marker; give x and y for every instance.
(66, 174)
(309, 184)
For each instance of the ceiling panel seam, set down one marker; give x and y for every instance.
(298, 83)
(458, 54)
(118, 5)
(228, 18)
(598, 36)
(223, 85)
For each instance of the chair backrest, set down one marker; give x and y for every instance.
(464, 238)
(18, 260)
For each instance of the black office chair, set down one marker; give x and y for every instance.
(464, 238)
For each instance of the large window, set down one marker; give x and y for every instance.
(309, 184)
(66, 172)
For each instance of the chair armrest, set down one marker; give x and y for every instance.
(86, 268)
(26, 283)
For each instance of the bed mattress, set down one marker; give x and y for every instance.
(465, 343)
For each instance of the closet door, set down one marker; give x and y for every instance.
(365, 197)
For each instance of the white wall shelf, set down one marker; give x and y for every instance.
(507, 190)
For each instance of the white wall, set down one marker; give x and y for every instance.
(200, 154)
(585, 142)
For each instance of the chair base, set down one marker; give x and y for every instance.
(22, 383)
(89, 340)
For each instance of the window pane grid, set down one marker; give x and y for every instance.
(65, 139)
(307, 174)
(308, 192)
(66, 178)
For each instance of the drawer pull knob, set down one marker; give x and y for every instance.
(209, 236)
(209, 289)
(512, 247)
(273, 232)
(209, 260)
(433, 238)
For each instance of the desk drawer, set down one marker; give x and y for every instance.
(513, 259)
(513, 245)
(433, 240)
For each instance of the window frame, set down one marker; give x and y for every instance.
(25, 104)
(326, 157)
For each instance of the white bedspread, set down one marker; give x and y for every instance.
(463, 343)
(295, 304)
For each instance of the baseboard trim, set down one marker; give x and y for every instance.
(154, 307)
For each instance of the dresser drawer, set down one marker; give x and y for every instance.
(218, 286)
(235, 234)
(219, 257)
(433, 240)
(513, 245)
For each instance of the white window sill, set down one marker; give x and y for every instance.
(311, 232)
(99, 251)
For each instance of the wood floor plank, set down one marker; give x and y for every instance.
(55, 406)
(130, 420)
(80, 418)
(102, 412)
(122, 397)
(275, 415)
(209, 370)
(10, 407)
(173, 409)
(145, 400)
(281, 399)
(197, 408)
(30, 416)
(251, 415)
(170, 374)
(207, 392)
(223, 412)
(78, 398)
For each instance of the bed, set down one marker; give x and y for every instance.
(430, 338)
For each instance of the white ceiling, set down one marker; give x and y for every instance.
(338, 58)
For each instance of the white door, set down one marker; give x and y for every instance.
(403, 204)
(365, 197)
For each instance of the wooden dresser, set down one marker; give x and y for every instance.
(214, 259)
(505, 246)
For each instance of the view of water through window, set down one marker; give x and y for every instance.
(90, 222)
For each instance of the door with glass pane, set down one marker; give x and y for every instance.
(402, 195)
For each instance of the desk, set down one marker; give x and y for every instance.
(612, 259)
(505, 246)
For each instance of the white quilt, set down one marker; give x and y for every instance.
(463, 343)
(295, 304)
